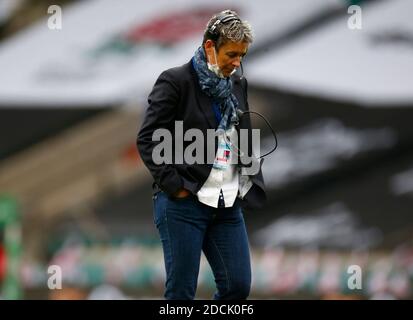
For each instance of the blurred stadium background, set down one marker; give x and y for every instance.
(74, 193)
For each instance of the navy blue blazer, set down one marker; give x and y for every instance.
(177, 96)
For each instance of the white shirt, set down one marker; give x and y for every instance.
(224, 176)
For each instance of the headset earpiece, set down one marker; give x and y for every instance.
(221, 19)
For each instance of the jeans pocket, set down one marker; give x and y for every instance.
(155, 195)
(155, 202)
(161, 202)
(158, 215)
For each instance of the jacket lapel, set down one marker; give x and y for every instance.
(205, 104)
(203, 101)
(239, 94)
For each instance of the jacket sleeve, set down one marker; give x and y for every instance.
(160, 113)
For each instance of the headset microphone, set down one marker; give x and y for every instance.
(214, 34)
(242, 71)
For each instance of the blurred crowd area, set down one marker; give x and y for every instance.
(134, 270)
(75, 195)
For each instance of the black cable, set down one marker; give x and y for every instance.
(241, 113)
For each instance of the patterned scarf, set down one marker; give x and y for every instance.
(219, 89)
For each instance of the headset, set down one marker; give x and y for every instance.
(222, 18)
(214, 34)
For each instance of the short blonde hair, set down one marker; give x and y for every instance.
(236, 30)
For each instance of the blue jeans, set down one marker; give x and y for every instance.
(187, 227)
